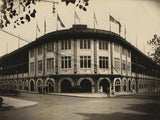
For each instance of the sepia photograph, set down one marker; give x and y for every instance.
(79, 59)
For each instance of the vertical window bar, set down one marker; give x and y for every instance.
(89, 44)
(62, 44)
(65, 44)
(69, 44)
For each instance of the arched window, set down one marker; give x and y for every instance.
(117, 85)
(124, 86)
(39, 86)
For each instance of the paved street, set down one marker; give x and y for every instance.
(52, 107)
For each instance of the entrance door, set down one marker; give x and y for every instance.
(66, 86)
(86, 86)
(129, 85)
(104, 84)
(32, 86)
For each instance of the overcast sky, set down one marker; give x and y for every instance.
(141, 18)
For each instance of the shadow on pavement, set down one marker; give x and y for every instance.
(149, 97)
(150, 108)
(116, 116)
(5, 108)
(151, 112)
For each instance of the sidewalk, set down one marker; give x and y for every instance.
(90, 95)
(85, 95)
(9, 102)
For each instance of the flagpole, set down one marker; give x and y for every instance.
(19, 41)
(125, 31)
(93, 19)
(74, 16)
(7, 47)
(119, 26)
(109, 23)
(44, 25)
(136, 42)
(36, 30)
(144, 49)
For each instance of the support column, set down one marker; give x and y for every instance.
(75, 56)
(56, 56)
(111, 56)
(95, 56)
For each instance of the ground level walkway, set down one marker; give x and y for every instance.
(10, 102)
(89, 95)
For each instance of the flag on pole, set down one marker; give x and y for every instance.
(37, 28)
(76, 16)
(45, 25)
(59, 20)
(112, 19)
(95, 19)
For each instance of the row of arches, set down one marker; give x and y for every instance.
(124, 85)
(83, 84)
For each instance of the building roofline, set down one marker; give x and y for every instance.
(76, 29)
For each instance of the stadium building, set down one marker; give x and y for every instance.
(79, 59)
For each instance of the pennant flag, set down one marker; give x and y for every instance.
(37, 27)
(95, 19)
(76, 16)
(44, 25)
(112, 19)
(61, 23)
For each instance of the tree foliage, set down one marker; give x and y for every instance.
(18, 11)
(22, 11)
(155, 43)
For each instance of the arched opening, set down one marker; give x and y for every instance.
(85, 86)
(133, 85)
(129, 85)
(15, 85)
(39, 86)
(139, 83)
(124, 86)
(20, 85)
(50, 86)
(26, 85)
(117, 85)
(66, 86)
(31, 85)
(104, 85)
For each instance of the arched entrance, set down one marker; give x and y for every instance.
(50, 86)
(104, 85)
(20, 84)
(40, 86)
(66, 86)
(129, 85)
(133, 85)
(31, 85)
(124, 85)
(85, 86)
(117, 85)
(26, 85)
(15, 84)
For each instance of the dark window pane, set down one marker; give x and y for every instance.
(89, 44)
(84, 44)
(69, 44)
(81, 44)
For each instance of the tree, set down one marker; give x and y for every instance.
(22, 11)
(155, 43)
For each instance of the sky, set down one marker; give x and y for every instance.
(140, 17)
